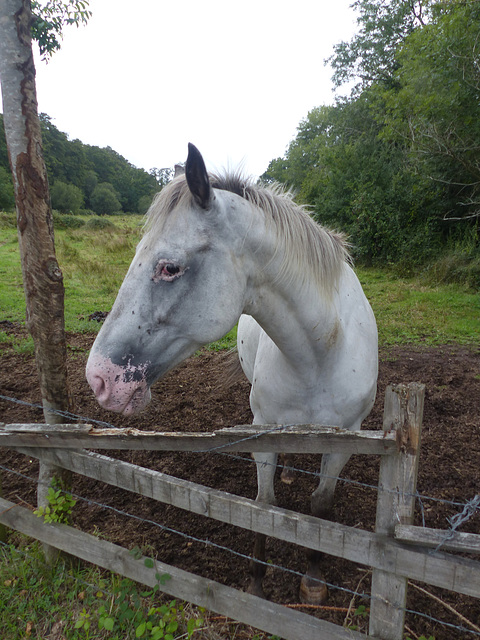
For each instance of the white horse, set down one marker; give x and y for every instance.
(217, 251)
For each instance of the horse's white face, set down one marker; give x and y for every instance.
(183, 290)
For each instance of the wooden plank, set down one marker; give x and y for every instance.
(267, 616)
(397, 485)
(245, 438)
(446, 540)
(356, 545)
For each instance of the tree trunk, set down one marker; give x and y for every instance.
(42, 277)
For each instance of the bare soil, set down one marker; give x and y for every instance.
(193, 398)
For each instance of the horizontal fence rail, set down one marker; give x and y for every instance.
(244, 438)
(435, 538)
(342, 541)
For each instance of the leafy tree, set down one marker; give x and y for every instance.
(359, 182)
(66, 198)
(84, 166)
(436, 109)
(397, 161)
(42, 277)
(144, 204)
(90, 181)
(49, 19)
(162, 176)
(370, 57)
(66, 160)
(129, 182)
(104, 199)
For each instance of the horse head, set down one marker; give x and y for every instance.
(185, 288)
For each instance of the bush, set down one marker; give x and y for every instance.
(66, 198)
(66, 221)
(144, 204)
(99, 223)
(454, 268)
(8, 220)
(104, 199)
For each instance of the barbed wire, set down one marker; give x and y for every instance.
(455, 521)
(217, 449)
(354, 593)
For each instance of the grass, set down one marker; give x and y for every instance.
(72, 600)
(94, 261)
(410, 312)
(77, 601)
(95, 258)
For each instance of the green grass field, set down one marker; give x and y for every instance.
(94, 261)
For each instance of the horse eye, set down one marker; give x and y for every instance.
(171, 268)
(167, 271)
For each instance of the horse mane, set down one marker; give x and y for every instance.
(308, 249)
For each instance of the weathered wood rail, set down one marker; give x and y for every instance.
(386, 551)
(242, 438)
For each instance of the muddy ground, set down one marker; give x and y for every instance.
(191, 398)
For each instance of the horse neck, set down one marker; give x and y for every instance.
(298, 314)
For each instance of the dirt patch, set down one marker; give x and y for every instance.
(190, 398)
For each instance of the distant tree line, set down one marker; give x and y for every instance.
(84, 177)
(396, 164)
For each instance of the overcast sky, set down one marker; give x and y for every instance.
(234, 78)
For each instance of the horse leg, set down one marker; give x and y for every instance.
(288, 475)
(313, 589)
(266, 466)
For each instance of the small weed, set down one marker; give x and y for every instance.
(24, 345)
(359, 617)
(60, 505)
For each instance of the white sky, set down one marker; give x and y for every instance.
(234, 78)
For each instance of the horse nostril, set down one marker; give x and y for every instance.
(98, 385)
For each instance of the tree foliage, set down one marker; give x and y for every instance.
(104, 199)
(370, 57)
(7, 198)
(437, 106)
(73, 163)
(397, 163)
(66, 198)
(49, 19)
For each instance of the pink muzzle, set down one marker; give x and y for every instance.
(122, 389)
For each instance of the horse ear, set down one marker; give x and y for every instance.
(197, 177)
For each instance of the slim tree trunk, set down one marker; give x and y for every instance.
(42, 277)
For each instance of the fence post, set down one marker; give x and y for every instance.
(396, 490)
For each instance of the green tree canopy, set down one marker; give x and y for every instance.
(85, 166)
(436, 109)
(396, 164)
(370, 57)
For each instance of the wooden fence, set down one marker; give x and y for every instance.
(392, 551)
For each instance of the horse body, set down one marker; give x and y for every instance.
(218, 252)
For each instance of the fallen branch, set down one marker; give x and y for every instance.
(446, 605)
